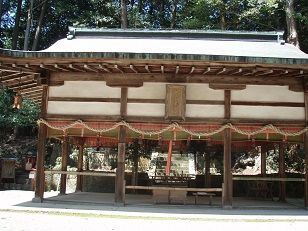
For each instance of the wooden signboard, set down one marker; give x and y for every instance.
(175, 102)
(8, 169)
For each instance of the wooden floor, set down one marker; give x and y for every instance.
(141, 199)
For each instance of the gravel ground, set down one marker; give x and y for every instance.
(17, 212)
(15, 220)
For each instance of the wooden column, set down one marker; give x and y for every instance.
(42, 135)
(65, 146)
(282, 184)
(227, 178)
(263, 160)
(207, 182)
(120, 172)
(168, 165)
(306, 170)
(306, 152)
(80, 164)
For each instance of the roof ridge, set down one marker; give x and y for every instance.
(276, 36)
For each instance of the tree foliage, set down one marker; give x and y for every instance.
(250, 15)
(27, 115)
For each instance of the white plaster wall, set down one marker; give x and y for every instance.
(148, 91)
(86, 89)
(204, 111)
(266, 112)
(267, 93)
(142, 109)
(83, 108)
(203, 92)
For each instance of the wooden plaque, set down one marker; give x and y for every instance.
(175, 102)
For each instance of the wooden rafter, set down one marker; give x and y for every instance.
(75, 68)
(133, 68)
(118, 68)
(60, 68)
(90, 68)
(102, 67)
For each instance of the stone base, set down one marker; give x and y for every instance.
(227, 206)
(37, 200)
(119, 204)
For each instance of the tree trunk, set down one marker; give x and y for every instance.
(124, 20)
(140, 6)
(29, 22)
(291, 24)
(39, 26)
(162, 13)
(16, 26)
(223, 21)
(1, 3)
(174, 11)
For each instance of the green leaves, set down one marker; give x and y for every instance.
(9, 117)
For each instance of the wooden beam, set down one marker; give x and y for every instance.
(217, 86)
(24, 86)
(33, 89)
(188, 120)
(79, 99)
(268, 104)
(281, 172)
(124, 82)
(193, 78)
(162, 101)
(42, 135)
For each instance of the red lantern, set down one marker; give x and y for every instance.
(17, 101)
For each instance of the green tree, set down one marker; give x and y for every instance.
(27, 115)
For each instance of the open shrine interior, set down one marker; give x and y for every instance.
(226, 91)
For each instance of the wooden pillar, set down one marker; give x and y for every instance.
(227, 178)
(120, 172)
(42, 135)
(65, 147)
(263, 160)
(207, 182)
(40, 175)
(80, 164)
(282, 184)
(306, 170)
(306, 151)
(168, 165)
